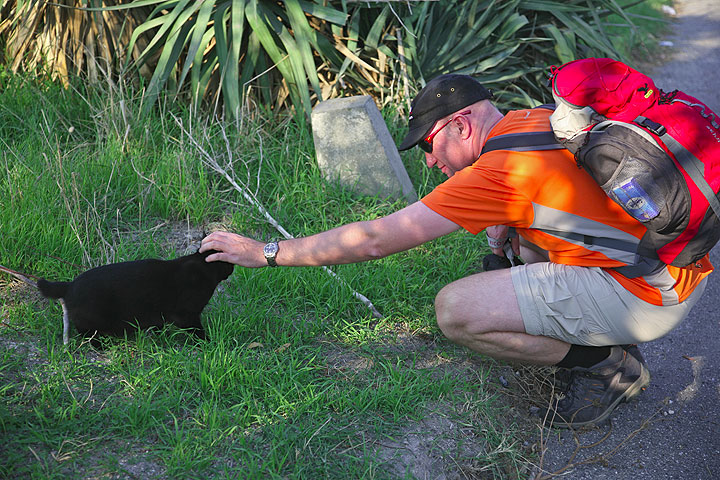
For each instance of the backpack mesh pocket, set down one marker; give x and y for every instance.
(639, 176)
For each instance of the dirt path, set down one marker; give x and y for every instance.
(673, 430)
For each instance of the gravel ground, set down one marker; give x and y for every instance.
(672, 430)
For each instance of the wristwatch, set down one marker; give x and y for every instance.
(270, 251)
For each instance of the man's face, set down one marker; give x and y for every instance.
(448, 150)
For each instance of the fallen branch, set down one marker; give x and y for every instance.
(210, 160)
(20, 276)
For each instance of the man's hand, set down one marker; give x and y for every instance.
(234, 248)
(497, 235)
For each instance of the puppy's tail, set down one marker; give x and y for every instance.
(53, 289)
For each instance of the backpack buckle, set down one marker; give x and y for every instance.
(651, 125)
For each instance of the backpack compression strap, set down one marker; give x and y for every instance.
(692, 165)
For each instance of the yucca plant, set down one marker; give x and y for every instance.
(68, 37)
(506, 44)
(298, 52)
(223, 47)
(309, 51)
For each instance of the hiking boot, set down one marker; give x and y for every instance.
(593, 393)
(561, 379)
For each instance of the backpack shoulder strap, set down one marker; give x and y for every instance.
(524, 142)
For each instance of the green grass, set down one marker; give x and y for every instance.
(640, 44)
(297, 380)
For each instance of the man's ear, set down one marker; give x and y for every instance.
(464, 126)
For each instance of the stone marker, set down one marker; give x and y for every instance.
(353, 146)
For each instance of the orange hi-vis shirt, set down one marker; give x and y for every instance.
(539, 192)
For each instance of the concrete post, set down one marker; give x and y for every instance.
(354, 146)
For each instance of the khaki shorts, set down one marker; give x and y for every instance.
(586, 306)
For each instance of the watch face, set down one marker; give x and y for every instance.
(270, 249)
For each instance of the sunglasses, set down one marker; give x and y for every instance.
(426, 143)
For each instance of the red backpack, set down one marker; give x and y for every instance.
(655, 153)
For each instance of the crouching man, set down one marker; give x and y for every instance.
(572, 305)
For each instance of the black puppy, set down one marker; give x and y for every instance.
(496, 262)
(118, 298)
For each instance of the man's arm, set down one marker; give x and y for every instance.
(355, 242)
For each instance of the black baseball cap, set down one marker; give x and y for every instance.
(442, 96)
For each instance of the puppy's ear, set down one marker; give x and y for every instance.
(199, 244)
(220, 270)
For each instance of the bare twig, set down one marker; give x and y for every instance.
(4, 324)
(598, 458)
(307, 442)
(66, 319)
(20, 276)
(403, 67)
(212, 162)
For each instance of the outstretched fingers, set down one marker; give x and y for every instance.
(233, 248)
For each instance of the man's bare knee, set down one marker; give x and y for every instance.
(450, 304)
(478, 304)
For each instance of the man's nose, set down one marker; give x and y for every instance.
(430, 161)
